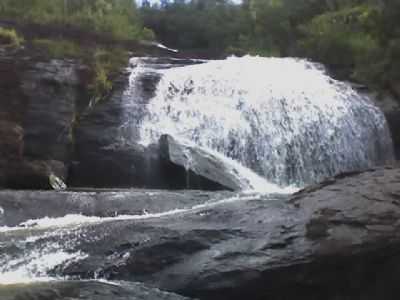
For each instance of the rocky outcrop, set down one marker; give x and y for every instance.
(37, 111)
(105, 154)
(16, 171)
(84, 290)
(337, 240)
(192, 167)
(53, 90)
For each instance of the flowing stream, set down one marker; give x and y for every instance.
(282, 123)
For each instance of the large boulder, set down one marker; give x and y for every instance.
(335, 241)
(188, 166)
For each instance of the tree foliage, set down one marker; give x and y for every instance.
(117, 18)
(358, 38)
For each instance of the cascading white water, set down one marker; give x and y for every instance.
(284, 118)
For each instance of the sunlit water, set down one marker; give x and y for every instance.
(284, 118)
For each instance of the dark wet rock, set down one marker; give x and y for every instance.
(192, 167)
(106, 154)
(114, 167)
(37, 111)
(11, 143)
(52, 89)
(24, 174)
(390, 105)
(20, 206)
(87, 290)
(339, 240)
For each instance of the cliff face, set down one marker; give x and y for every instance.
(47, 127)
(37, 111)
(49, 131)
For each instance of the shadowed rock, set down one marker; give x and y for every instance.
(192, 167)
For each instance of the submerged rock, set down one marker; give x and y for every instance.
(84, 290)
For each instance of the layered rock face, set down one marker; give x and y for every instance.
(38, 106)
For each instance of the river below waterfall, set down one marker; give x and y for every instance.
(280, 124)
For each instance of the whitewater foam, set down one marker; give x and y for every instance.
(283, 118)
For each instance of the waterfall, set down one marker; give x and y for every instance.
(284, 118)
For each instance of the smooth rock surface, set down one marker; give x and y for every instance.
(336, 241)
(192, 167)
(85, 290)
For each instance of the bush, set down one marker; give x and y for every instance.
(101, 85)
(10, 38)
(106, 64)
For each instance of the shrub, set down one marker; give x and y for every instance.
(10, 38)
(101, 84)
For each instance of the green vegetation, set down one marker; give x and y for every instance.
(116, 18)
(358, 39)
(10, 38)
(106, 64)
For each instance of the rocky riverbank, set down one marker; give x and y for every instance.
(336, 240)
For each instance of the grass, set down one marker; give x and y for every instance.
(10, 38)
